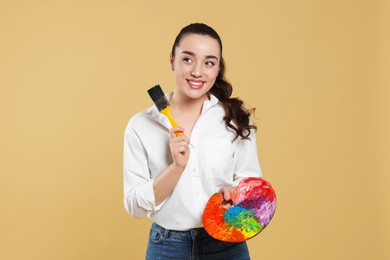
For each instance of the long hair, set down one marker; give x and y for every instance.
(237, 117)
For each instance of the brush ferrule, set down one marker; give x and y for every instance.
(161, 103)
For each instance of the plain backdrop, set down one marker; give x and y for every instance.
(72, 73)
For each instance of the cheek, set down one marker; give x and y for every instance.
(213, 74)
(181, 69)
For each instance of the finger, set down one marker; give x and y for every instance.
(177, 141)
(227, 202)
(174, 130)
(225, 193)
(180, 148)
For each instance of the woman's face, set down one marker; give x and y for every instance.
(196, 65)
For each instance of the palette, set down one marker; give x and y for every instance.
(253, 206)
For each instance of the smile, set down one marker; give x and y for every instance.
(195, 84)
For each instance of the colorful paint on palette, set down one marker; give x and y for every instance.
(254, 204)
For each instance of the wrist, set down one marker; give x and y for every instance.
(177, 168)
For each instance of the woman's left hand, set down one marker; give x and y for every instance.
(227, 201)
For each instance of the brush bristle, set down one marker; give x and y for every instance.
(158, 97)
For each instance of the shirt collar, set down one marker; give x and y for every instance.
(207, 104)
(154, 113)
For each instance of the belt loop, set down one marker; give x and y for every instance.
(166, 233)
(194, 232)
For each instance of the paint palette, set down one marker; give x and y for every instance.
(254, 204)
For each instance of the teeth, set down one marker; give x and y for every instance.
(196, 83)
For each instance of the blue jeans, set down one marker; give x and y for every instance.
(193, 244)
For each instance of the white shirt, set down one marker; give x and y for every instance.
(215, 161)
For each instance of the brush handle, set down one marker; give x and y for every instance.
(167, 112)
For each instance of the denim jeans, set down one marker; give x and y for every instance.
(193, 244)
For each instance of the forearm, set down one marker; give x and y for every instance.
(165, 182)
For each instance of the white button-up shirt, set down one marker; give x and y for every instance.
(215, 161)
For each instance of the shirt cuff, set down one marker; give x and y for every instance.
(248, 174)
(146, 199)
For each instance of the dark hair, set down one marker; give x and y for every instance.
(236, 116)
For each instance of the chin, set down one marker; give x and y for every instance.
(197, 95)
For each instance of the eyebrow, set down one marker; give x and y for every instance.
(194, 55)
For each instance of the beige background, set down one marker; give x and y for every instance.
(73, 72)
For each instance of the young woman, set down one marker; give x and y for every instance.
(170, 178)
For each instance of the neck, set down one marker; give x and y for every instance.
(183, 104)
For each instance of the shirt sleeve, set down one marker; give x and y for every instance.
(138, 184)
(246, 160)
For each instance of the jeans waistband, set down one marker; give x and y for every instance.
(188, 234)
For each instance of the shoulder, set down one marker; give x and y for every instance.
(141, 119)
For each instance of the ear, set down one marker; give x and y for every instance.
(171, 59)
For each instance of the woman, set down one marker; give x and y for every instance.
(170, 178)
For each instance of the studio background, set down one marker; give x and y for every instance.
(72, 73)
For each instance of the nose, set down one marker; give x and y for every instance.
(196, 70)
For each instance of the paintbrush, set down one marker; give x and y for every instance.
(162, 104)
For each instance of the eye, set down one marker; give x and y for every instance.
(187, 60)
(210, 63)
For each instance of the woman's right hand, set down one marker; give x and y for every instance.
(179, 146)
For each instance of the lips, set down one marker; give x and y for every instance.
(195, 84)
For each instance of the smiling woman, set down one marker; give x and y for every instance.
(169, 180)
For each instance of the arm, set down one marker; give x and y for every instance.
(138, 185)
(245, 161)
(166, 181)
(142, 194)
